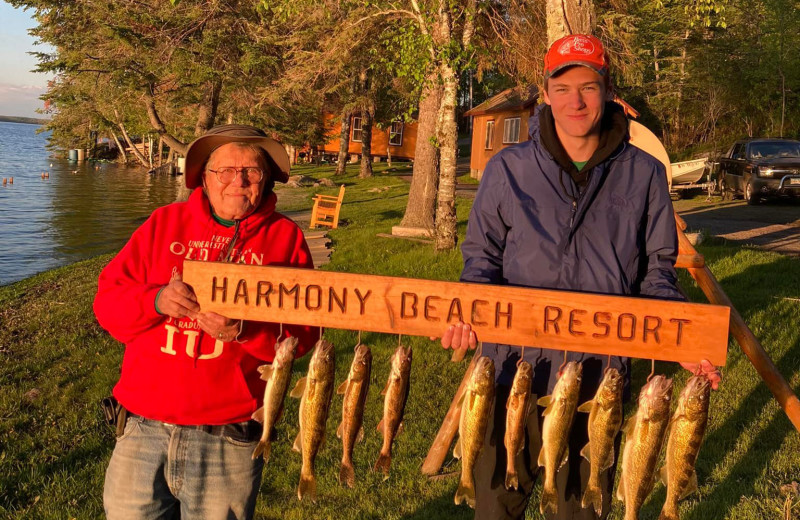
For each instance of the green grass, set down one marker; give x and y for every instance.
(56, 364)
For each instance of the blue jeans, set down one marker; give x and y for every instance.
(161, 471)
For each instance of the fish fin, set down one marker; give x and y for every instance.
(541, 457)
(544, 401)
(360, 436)
(380, 426)
(386, 388)
(347, 475)
(299, 388)
(383, 464)
(343, 387)
(663, 474)
(586, 453)
(691, 487)
(262, 448)
(457, 448)
(307, 488)
(586, 407)
(298, 443)
(265, 371)
(564, 460)
(593, 496)
(465, 493)
(258, 415)
(461, 399)
(621, 488)
(512, 480)
(549, 502)
(340, 430)
(630, 423)
(609, 461)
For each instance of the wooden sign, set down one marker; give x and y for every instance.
(600, 324)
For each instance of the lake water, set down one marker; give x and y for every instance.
(79, 212)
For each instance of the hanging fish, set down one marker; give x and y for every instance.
(277, 375)
(687, 428)
(558, 416)
(476, 407)
(517, 409)
(315, 392)
(605, 419)
(644, 436)
(350, 430)
(394, 404)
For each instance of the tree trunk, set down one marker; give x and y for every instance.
(159, 126)
(160, 151)
(344, 142)
(367, 112)
(120, 148)
(569, 17)
(141, 158)
(421, 205)
(207, 112)
(446, 236)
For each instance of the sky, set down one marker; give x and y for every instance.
(19, 88)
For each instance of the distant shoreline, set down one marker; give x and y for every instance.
(24, 120)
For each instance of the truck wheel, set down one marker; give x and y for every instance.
(749, 196)
(724, 190)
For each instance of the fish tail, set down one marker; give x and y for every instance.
(593, 496)
(347, 474)
(549, 501)
(465, 493)
(383, 463)
(262, 448)
(668, 514)
(512, 479)
(307, 487)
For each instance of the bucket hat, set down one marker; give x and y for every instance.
(201, 148)
(576, 49)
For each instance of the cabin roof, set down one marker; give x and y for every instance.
(515, 98)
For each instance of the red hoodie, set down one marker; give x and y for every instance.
(172, 371)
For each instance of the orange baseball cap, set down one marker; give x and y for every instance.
(576, 49)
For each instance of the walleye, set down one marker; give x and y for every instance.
(644, 435)
(605, 419)
(687, 428)
(277, 375)
(394, 404)
(558, 417)
(355, 396)
(517, 410)
(315, 391)
(476, 406)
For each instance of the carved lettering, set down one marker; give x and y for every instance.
(620, 326)
(554, 321)
(680, 323)
(362, 300)
(263, 290)
(475, 314)
(574, 322)
(340, 302)
(498, 313)
(223, 288)
(455, 310)
(294, 290)
(430, 309)
(651, 330)
(408, 305)
(241, 292)
(310, 289)
(606, 318)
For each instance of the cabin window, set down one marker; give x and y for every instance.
(356, 129)
(511, 130)
(396, 134)
(489, 134)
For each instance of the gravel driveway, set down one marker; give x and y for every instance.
(774, 225)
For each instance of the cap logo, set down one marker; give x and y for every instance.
(577, 45)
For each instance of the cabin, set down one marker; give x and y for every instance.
(398, 139)
(502, 121)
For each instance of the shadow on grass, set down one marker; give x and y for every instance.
(441, 507)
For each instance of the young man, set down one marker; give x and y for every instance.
(575, 208)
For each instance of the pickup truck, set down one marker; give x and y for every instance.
(760, 168)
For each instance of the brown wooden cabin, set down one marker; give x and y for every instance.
(399, 139)
(502, 121)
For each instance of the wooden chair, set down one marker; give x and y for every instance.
(326, 210)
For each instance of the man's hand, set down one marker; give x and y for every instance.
(707, 369)
(178, 300)
(459, 337)
(219, 326)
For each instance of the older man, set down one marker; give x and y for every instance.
(575, 208)
(189, 378)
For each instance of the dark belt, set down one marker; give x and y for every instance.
(248, 431)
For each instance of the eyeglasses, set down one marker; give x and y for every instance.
(227, 175)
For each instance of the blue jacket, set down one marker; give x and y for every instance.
(531, 226)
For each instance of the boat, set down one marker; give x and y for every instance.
(688, 172)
